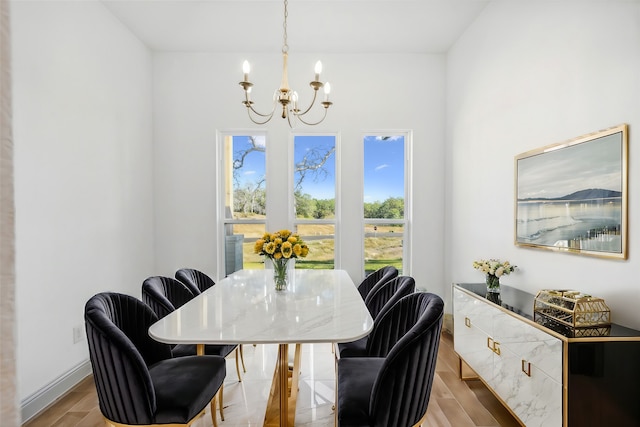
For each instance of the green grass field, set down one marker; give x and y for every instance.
(379, 251)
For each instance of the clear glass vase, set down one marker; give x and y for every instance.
(280, 277)
(493, 283)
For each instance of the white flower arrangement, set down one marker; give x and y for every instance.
(494, 267)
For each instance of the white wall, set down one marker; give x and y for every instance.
(525, 75)
(197, 94)
(83, 175)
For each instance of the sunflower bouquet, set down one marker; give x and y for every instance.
(281, 244)
(280, 247)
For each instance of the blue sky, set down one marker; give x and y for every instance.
(321, 186)
(254, 164)
(383, 166)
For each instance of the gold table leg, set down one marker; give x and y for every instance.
(283, 382)
(281, 407)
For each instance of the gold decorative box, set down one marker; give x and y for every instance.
(571, 313)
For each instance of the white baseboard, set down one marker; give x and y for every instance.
(47, 395)
(448, 323)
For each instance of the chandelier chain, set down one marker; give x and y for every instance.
(285, 46)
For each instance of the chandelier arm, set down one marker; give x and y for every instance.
(289, 120)
(313, 101)
(257, 113)
(313, 124)
(258, 122)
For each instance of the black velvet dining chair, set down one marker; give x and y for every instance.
(387, 293)
(138, 382)
(166, 294)
(392, 388)
(194, 279)
(381, 275)
(198, 282)
(382, 297)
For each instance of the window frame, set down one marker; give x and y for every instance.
(408, 202)
(293, 220)
(223, 221)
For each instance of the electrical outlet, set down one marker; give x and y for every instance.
(78, 334)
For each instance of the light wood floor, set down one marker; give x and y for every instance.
(453, 403)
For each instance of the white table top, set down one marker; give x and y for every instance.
(245, 308)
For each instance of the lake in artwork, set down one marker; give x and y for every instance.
(592, 225)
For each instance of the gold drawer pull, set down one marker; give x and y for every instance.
(490, 343)
(496, 347)
(493, 345)
(467, 322)
(527, 370)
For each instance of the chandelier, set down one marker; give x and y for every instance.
(284, 96)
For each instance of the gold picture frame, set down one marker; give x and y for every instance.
(572, 196)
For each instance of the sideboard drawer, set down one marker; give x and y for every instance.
(519, 362)
(539, 348)
(532, 395)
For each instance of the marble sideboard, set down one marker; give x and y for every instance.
(543, 377)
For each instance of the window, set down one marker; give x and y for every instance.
(385, 201)
(242, 199)
(314, 194)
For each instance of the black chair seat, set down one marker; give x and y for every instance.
(356, 376)
(209, 349)
(356, 348)
(179, 402)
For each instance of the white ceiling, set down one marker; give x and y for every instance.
(324, 26)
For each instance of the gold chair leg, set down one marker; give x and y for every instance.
(214, 418)
(238, 365)
(242, 359)
(221, 402)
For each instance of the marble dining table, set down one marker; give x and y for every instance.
(318, 306)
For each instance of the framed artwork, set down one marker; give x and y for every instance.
(572, 196)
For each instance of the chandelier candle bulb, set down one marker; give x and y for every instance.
(327, 90)
(318, 70)
(246, 69)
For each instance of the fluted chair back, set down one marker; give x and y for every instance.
(388, 293)
(135, 376)
(383, 296)
(381, 275)
(165, 294)
(396, 320)
(196, 280)
(394, 390)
